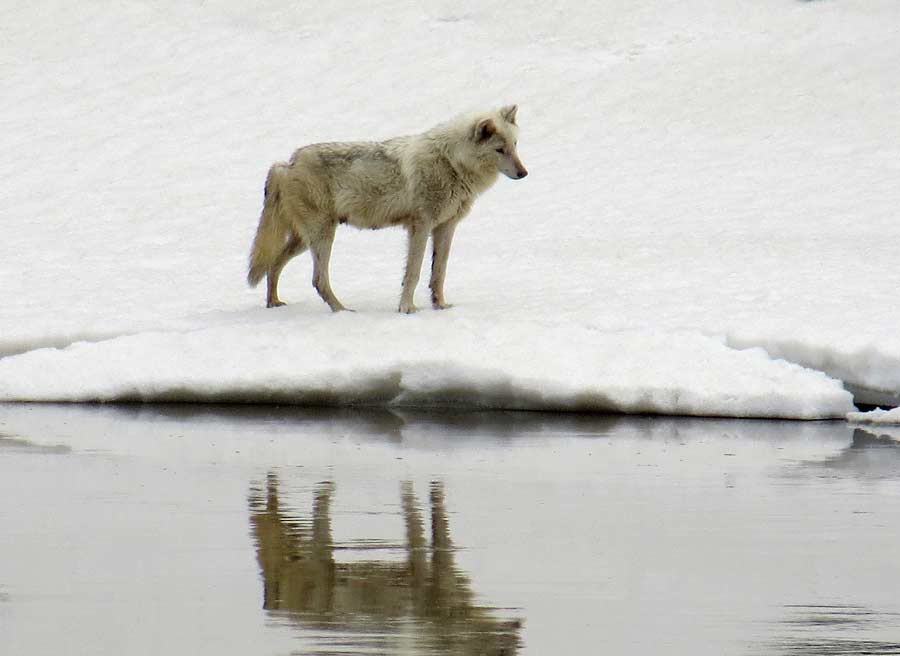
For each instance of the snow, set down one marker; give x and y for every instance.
(877, 416)
(427, 361)
(710, 219)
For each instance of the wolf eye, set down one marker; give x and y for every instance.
(500, 150)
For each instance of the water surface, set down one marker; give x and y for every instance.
(216, 530)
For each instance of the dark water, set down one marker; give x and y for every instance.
(185, 529)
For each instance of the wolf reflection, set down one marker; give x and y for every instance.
(424, 596)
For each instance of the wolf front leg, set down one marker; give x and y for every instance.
(441, 237)
(418, 240)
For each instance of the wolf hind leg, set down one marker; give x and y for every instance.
(293, 247)
(320, 247)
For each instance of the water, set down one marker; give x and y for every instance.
(203, 530)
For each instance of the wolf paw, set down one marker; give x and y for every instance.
(272, 304)
(441, 306)
(408, 308)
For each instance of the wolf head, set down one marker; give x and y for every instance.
(496, 137)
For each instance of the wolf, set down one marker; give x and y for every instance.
(425, 183)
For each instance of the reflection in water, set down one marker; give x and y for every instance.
(869, 456)
(372, 422)
(19, 445)
(422, 605)
(819, 630)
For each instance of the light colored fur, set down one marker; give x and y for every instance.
(426, 183)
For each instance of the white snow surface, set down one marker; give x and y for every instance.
(707, 180)
(877, 416)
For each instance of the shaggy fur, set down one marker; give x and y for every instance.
(425, 183)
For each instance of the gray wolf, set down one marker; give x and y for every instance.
(426, 183)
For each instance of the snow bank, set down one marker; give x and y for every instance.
(424, 360)
(696, 169)
(877, 416)
(869, 364)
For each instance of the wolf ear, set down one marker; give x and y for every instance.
(484, 129)
(509, 113)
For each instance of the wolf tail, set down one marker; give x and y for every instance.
(272, 232)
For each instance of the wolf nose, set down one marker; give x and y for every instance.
(521, 174)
